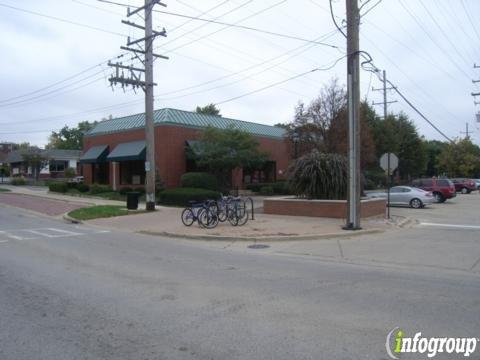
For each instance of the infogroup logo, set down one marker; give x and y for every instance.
(397, 343)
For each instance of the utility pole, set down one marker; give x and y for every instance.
(353, 91)
(466, 132)
(385, 112)
(135, 81)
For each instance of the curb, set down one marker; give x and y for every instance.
(69, 219)
(262, 238)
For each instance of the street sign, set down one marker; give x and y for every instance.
(384, 162)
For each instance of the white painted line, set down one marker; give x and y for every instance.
(20, 238)
(3, 241)
(452, 226)
(45, 232)
(39, 233)
(65, 231)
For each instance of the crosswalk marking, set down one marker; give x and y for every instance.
(47, 232)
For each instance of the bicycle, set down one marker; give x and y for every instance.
(202, 212)
(233, 209)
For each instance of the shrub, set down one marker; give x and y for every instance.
(59, 187)
(83, 188)
(125, 190)
(97, 189)
(200, 180)
(19, 181)
(181, 196)
(70, 172)
(279, 187)
(266, 190)
(319, 176)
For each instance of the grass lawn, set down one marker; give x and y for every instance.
(95, 212)
(4, 190)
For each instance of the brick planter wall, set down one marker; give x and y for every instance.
(320, 208)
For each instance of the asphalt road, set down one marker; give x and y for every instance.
(79, 292)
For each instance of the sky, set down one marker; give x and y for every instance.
(54, 65)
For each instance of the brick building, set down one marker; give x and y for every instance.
(114, 150)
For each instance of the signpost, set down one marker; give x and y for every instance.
(389, 162)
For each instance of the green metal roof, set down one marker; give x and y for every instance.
(95, 154)
(134, 150)
(186, 119)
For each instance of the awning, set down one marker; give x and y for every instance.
(96, 154)
(134, 150)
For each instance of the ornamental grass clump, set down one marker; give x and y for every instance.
(319, 176)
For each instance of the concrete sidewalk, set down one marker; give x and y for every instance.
(166, 221)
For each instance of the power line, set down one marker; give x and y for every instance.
(55, 91)
(418, 111)
(470, 19)
(234, 25)
(433, 39)
(250, 67)
(280, 82)
(334, 21)
(444, 34)
(61, 20)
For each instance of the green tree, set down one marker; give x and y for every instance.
(33, 158)
(70, 138)
(398, 134)
(460, 158)
(222, 150)
(209, 109)
(433, 149)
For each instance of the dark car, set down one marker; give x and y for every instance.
(465, 186)
(442, 189)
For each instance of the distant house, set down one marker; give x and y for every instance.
(114, 150)
(54, 166)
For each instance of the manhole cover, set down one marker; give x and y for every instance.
(258, 246)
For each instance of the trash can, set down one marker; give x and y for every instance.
(132, 200)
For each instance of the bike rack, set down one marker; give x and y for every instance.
(251, 206)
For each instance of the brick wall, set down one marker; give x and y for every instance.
(321, 208)
(170, 151)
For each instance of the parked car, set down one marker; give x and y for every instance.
(76, 180)
(465, 186)
(477, 183)
(406, 195)
(442, 189)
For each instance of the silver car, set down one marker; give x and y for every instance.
(407, 195)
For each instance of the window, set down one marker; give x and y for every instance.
(132, 172)
(443, 182)
(57, 165)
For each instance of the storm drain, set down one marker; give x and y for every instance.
(258, 246)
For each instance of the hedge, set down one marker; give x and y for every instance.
(97, 189)
(266, 191)
(59, 187)
(83, 188)
(200, 180)
(279, 187)
(18, 181)
(182, 196)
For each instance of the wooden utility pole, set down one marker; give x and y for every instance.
(149, 128)
(135, 81)
(385, 112)
(353, 90)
